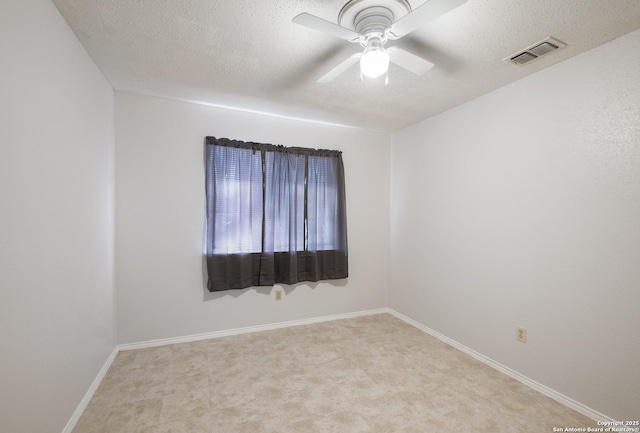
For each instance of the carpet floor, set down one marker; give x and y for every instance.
(371, 374)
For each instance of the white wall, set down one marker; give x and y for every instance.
(519, 208)
(160, 216)
(522, 208)
(56, 219)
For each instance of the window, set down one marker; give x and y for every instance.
(274, 214)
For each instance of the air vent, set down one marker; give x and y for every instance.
(536, 50)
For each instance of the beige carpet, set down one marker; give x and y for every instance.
(369, 374)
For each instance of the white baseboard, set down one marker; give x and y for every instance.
(560, 398)
(188, 338)
(578, 407)
(92, 389)
(247, 330)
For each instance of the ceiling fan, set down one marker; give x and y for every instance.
(371, 23)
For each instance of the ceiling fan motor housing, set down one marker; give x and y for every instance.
(372, 16)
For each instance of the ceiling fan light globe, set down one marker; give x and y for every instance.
(374, 63)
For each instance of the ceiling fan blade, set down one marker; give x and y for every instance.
(428, 11)
(409, 61)
(315, 23)
(340, 68)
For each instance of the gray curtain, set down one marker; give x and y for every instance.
(274, 215)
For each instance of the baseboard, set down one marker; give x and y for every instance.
(185, 339)
(560, 398)
(247, 330)
(92, 389)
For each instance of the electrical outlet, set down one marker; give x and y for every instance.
(278, 295)
(521, 334)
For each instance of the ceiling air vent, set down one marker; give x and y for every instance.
(536, 50)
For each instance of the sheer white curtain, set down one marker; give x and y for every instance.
(322, 204)
(284, 202)
(237, 207)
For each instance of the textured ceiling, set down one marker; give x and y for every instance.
(249, 55)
